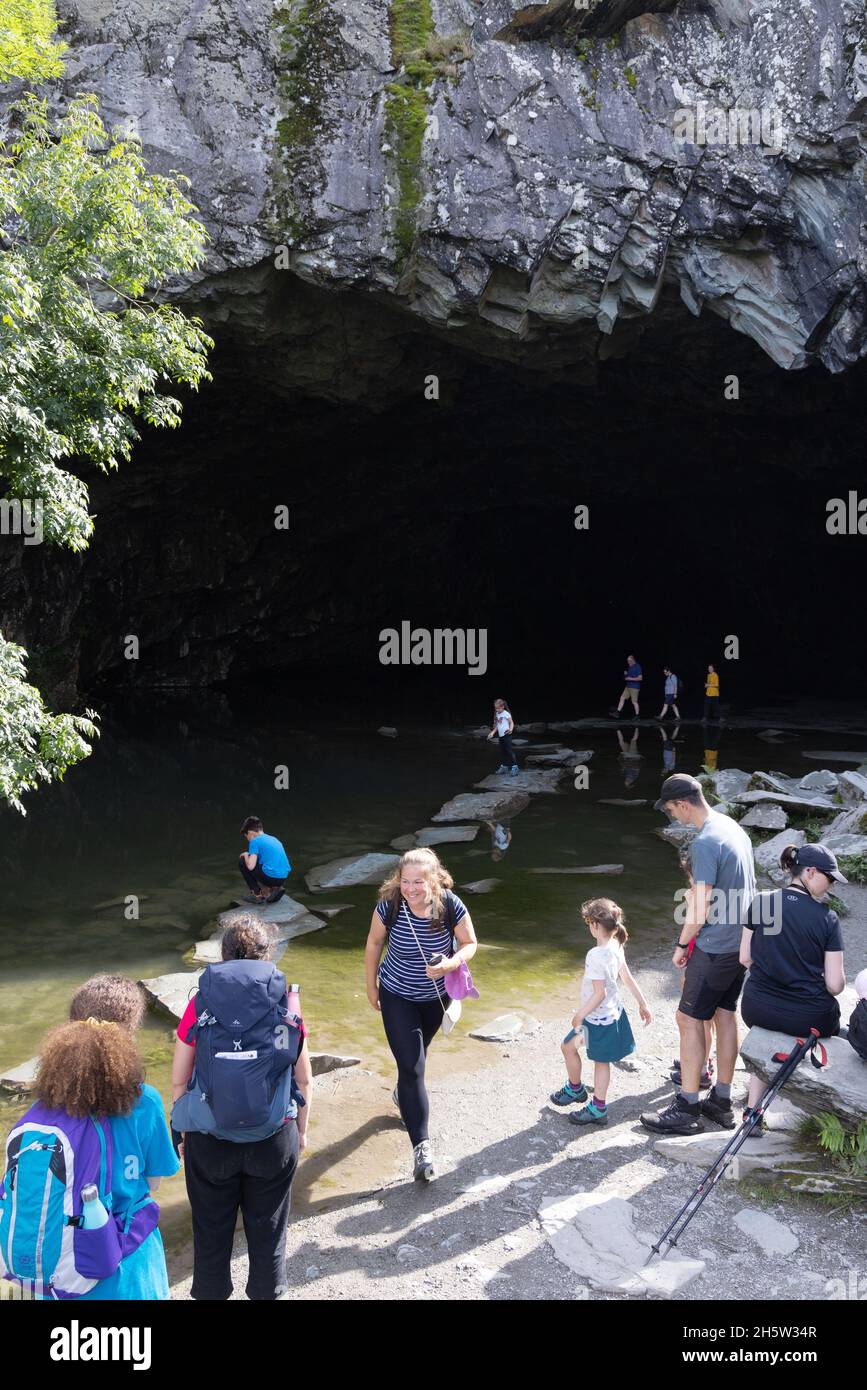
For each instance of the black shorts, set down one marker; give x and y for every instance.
(711, 982)
(791, 1016)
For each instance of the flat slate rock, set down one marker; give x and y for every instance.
(678, 835)
(387, 731)
(534, 779)
(853, 786)
(332, 909)
(481, 885)
(274, 913)
(729, 781)
(767, 856)
(837, 755)
(20, 1079)
(762, 1156)
(566, 757)
(770, 1234)
(845, 845)
(506, 1028)
(402, 843)
(840, 1088)
(593, 1235)
(170, 994)
(620, 801)
(799, 803)
(822, 780)
(585, 869)
(351, 869)
(496, 805)
(322, 1062)
(777, 736)
(431, 835)
(769, 816)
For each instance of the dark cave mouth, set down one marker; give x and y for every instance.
(705, 518)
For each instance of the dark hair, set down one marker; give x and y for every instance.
(608, 915)
(251, 823)
(111, 999)
(247, 939)
(89, 1068)
(789, 859)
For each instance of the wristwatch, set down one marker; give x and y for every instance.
(679, 945)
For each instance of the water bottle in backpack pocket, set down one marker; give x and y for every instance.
(247, 1045)
(54, 1239)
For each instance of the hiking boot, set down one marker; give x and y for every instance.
(569, 1095)
(706, 1076)
(423, 1165)
(720, 1111)
(759, 1129)
(515, 771)
(275, 895)
(677, 1118)
(589, 1116)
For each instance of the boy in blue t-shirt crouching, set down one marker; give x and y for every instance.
(265, 866)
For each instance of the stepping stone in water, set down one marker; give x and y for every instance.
(274, 913)
(351, 869)
(20, 1079)
(431, 835)
(170, 994)
(837, 755)
(534, 779)
(586, 869)
(497, 805)
(387, 731)
(506, 1028)
(332, 909)
(480, 885)
(619, 801)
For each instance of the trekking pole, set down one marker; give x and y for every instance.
(789, 1062)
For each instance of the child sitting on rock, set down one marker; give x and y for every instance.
(601, 1022)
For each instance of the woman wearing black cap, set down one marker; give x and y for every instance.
(793, 948)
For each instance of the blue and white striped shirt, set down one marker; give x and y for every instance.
(402, 968)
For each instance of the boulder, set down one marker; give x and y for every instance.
(19, 1080)
(322, 1062)
(170, 994)
(729, 781)
(481, 885)
(350, 869)
(506, 1028)
(851, 822)
(508, 801)
(584, 869)
(678, 835)
(535, 780)
(840, 1088)
(620, 801)
(822, 780)
(767, 816)
(846, 845)
(593, 1234)
(402, 843)
(387, 731)
(767, 856)
(853, 787)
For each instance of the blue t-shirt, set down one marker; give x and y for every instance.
(631, 672)
(271, 854)
(671, 684)
(142, 1149)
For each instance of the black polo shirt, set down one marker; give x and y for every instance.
(791, 933)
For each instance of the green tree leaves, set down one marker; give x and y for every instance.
(28, 48)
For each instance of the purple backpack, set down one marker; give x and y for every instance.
(50, 1157)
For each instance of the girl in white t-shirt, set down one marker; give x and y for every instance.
(601, 1022)
(504, 726)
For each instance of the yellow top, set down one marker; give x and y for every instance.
(712, 684)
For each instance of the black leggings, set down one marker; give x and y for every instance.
(410, 1024)
(257, 879)
(507, 752)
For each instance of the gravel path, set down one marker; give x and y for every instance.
(474, 1233)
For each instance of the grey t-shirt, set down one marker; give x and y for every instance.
(722, 856)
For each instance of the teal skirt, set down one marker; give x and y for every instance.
(609, 1042)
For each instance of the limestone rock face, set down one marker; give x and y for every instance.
(533, 179)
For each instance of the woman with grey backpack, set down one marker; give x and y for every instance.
(418, 918)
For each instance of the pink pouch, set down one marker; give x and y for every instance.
(459, 983)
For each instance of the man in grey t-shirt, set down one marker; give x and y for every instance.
(723, 886)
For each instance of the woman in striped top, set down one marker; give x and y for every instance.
(417, 915)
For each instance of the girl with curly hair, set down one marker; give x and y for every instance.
(417, 917)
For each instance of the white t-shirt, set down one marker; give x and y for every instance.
(503, 718)
(604, 963)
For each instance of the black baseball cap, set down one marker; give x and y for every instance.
(819, 857)
(676, 788)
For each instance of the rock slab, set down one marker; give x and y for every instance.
(170, 994)
(767, 856)
(350, 869)
(535, 779)
(840, 1088)
(594, 1236)
(20, 1079)
(484, 806)
(506, 1028)
(768, 816)
(771, 1235)
(584, 869)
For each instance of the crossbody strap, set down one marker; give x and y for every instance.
(405, 911)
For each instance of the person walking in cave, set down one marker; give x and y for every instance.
(265, 866)
(633, 676)
(716, 905)
(711, 696)
(669, 694)
(428, 932)
(503, 728)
